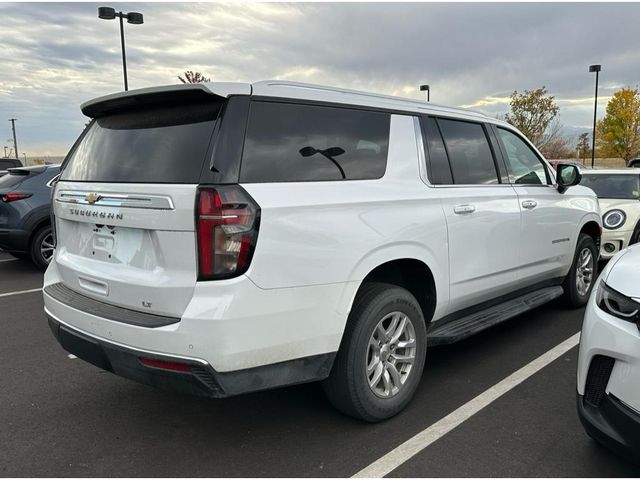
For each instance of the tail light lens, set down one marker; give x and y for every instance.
(227, 221)
(12, 197)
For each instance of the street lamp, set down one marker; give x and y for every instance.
(596, 69)
(135, 18)
(426, 88)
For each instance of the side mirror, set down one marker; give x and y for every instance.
(567, 176)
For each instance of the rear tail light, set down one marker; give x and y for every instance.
(12, 197)
(227, 220)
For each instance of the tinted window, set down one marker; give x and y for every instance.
(526, 168)
(469, 153)
(612, 185)
(4, 164)
(298, 143)
(160, 145)
(439, 169)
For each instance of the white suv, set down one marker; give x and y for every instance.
(226, 238)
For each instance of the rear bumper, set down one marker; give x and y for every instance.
(197, 377)
(613, 424)
(13, 240)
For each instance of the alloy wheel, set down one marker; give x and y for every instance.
(584, 271)
(391, 354)
(47, 248)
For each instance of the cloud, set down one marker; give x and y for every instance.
(57, 55)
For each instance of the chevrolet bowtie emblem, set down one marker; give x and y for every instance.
(92, 198)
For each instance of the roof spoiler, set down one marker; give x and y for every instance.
(190, 92)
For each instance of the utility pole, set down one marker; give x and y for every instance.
(15, 143)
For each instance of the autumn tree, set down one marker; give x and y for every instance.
(618, 133)
(193, 77)
(584, 145)
(535, 113)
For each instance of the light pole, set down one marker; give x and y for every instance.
(15, 144)
(426, 88)
(594, 68)
(135, 18)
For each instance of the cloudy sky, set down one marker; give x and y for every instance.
(54, 56)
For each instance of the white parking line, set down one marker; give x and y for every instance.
(8, 260)
(422, 440)
(20, 292)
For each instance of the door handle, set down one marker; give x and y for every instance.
(462, 209)
(529, 204)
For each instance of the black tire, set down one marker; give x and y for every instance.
(35, 247)
(635, 236)
(347, 386)
(573, 298)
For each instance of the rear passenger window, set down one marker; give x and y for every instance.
(303, 143)
(469, 153)
(439, 170)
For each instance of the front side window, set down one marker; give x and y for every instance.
(470, 155)
(526, 168)
(305, 143)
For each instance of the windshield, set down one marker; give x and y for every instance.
(153, 145)
(613, 185)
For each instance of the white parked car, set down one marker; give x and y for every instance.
(609, 360)
(226, 238)
(619, 194)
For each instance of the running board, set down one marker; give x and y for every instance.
(464, 327)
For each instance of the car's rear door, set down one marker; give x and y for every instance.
(124, 206)
(482, 213)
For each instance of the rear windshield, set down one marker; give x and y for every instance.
(613, 185)
(154, 145)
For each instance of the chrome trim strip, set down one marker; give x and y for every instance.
(122, 200)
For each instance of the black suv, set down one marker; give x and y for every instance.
(25, 213)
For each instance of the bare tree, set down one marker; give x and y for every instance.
(584, 146)
(193, 77)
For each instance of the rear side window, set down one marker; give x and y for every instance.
(153, 145)
(470, 155)
(439, 169)
(305, 143)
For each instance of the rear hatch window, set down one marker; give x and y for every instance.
(151, 145)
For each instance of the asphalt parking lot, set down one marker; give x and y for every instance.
(63, 417)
